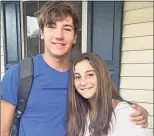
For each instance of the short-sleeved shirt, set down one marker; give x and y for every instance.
(46, 106)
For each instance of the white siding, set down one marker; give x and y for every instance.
(2, 53)
(138, 70)
(136, 77)
(136, 30)
(137, 95)
(136, 16)
(137, 5)
(144, 56)
(141, 43)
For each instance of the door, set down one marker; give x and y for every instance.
(104, 34)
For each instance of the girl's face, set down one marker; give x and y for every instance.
(85, 79)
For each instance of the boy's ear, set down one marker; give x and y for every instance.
(75, 38)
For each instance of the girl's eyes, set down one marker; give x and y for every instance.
(77, 77)
(87, 75)
(90, 74)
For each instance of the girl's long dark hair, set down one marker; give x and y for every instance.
(78, 106)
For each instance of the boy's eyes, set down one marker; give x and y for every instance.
(51, 26)
(67, 29)
(54, 27)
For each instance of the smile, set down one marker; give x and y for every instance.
(59, 44)
(86, 88)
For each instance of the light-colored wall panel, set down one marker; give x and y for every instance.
(141, 29)
(1, 41)
(136, 83)
(149, 131)
(1, 28)
(2, 68)
(150, 121)
(2, 53)
(145, 56)
(137, 95)
(137, 5)
(136, 77)
(148, 107)
(138, 16)
(136, 70)
(2, 60)
(137, 43)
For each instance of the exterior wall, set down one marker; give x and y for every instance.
(136, 77)
(2, 52)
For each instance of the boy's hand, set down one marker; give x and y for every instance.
(140, 116)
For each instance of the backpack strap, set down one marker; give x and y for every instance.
(26, 77)
(25, 83)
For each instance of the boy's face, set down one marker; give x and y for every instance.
(59, 38)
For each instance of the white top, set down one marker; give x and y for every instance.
(122, 126)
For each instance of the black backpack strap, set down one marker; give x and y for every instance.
(26, 77)
(25, 83)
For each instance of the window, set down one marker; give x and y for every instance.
(12, 41)
(32, 38)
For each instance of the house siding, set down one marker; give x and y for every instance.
(2, 51)
(136, 76)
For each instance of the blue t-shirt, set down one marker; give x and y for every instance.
(46, 106)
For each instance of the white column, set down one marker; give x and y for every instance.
(84, 26)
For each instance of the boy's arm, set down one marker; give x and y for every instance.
(7, 116)
(9, 99)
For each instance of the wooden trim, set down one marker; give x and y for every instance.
(84, 26)
(89, 26)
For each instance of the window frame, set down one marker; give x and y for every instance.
(8, 64)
